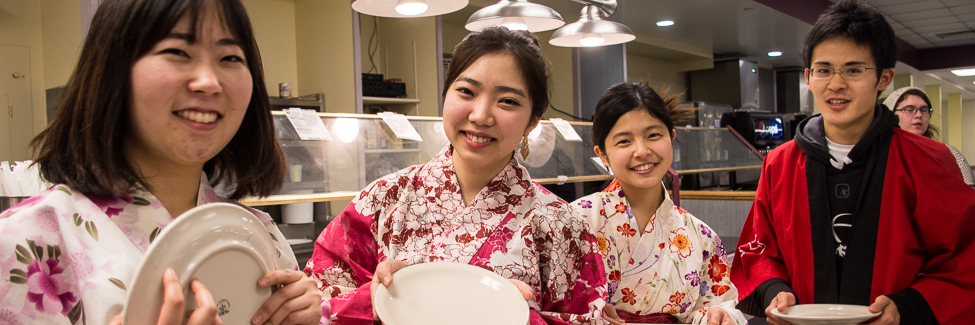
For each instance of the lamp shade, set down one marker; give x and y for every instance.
(387, 8)
(533, 17)
(589, 30)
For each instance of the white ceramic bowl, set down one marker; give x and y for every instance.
(832, 314)
(449, 293)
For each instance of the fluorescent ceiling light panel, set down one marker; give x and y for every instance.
(665, 23)
(964, 72)
(775, 53)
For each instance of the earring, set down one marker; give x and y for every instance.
(524, 147)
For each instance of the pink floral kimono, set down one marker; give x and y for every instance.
(678, 265)
(67, 258)
(513, 227)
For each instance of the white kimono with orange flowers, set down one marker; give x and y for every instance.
(678, 266)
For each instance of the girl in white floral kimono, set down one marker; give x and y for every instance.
(148, 123)
(663, 264)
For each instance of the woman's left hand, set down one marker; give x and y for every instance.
(526, 292)
(297, 301)
(717, 316)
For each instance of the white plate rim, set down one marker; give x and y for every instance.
(776, 312)
(148, 275)
(379, 302)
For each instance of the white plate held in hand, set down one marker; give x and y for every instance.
(449, 293)
(833, 314)
(224, 246)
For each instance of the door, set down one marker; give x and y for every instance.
(16, 113)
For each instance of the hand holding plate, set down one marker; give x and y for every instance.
(526, 291)
(888, 307)
(782, 300)
(173, 301)
(609, 314)
(718, 316)
(384, 272)
(296, 301)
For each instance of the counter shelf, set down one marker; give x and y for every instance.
(363, 149)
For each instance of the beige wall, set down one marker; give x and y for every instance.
(61, 29)
(662, 74)
(323, 32)
(968, 133)
(21, 25)
(274, 28)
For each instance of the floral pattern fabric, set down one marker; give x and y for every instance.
(677, 266)
(513, 227)
(67, 258)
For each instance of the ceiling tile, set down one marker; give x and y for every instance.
(957, 42)
(896, 25)
(911, 7)
(963, 9)
(969, 19)
(912, 38)
(941, 28)
(903, 32)
(881, 3)
(931, 22)
(906, 17)
(952, 3)
(970, 38)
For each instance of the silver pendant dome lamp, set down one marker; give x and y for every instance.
(408, 8)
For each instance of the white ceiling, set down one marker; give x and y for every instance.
(749, 30)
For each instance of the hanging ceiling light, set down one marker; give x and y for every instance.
(592, 30)
(516, 15)
(407, 8)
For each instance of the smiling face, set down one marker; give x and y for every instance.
(188, 96)
(916, 123)
(639, 149)
(486, 112)
(846, 105)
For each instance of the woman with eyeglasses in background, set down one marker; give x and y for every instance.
(913, 108)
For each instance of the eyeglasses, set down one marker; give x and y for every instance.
(848, 73)
(911, 110)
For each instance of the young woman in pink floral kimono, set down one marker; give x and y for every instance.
(473, 203)
(168, 98)
(664, 265)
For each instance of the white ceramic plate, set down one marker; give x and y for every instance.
(834, 314)
(224, 246)
(449, 293)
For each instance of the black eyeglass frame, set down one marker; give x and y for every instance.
(925, 110)
(841, 71)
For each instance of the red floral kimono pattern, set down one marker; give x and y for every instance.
(512, 227)
(677, 266)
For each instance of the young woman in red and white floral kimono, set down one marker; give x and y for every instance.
(473, 203)
(664, 265)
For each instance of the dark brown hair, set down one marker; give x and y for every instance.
(520, 44)
(625, 97)
(932, 131)
(860, 22)
(82, 147)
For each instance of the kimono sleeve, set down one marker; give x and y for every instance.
(343, 263)
(758, 257)
(947, 206)
(574, 279)
(716, 288)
